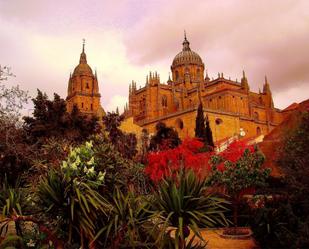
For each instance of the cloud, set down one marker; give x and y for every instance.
(116, 101)
(41, 41)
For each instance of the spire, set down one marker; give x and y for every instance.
(169, 81)
(266, 87)
(207, 77)
(244, 81)
(83, 58)
(185, 43)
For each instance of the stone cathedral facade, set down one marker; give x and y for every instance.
(230, 105)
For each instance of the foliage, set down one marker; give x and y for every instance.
(128, 222)
(12, 149)
(109, 160)
(237, 170)
(12, 241)
(182, 201)
(50, 119)
(124, 143)
(200, 123)
(294, 156)
(164, 163)
(12, 100)
(209, 138)
(70, 197)
(165, 138)
(284, 223)
(203, 130)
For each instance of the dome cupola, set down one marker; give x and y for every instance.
(187, 61)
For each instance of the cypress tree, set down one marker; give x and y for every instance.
(200, 123)
(209, 140)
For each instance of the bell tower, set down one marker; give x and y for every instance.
(83, 88)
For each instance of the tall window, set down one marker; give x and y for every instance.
(198, 74)
(177, 75)
(164, 101)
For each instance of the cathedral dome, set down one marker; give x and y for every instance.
(187, 56)
(83, 68)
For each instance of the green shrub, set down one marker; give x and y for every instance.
(12, 241)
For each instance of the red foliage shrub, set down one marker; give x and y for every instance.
(164, 163)
(187, 155)
(235, 150)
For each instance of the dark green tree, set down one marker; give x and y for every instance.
(50, 119)
(124, 143)
(165, 138)
(200, 123)
(209, 138)
(203, 130)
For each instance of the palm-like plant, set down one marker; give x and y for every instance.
(10, 204)
(181, 201)
(71, 196)
(128, 222)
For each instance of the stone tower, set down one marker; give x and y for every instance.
(83, 89)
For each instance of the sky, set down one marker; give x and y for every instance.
(41, 40)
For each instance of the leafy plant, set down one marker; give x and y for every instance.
(238, 171)
(182, 201)
(71, 196)
(128, 222)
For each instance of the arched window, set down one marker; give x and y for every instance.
(219, 121)
(258, 131)
(87, 85)
(91, 107)
(82, 105)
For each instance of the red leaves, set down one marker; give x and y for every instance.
(187, 155)
(235, 150)
(164, 163)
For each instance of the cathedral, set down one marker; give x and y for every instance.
(232, 109)
(83, 89)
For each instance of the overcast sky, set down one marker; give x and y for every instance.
(41, 41)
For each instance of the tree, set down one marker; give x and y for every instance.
(13, 150)
(12, 99)
(200, 123)
(209, 138)
(165, 138)
(203, 130)
(124, 143)
(50, 119)
(238, 170)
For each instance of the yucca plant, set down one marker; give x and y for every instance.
(71, 196)
(10, 205)
(181, 201)
(128, 222)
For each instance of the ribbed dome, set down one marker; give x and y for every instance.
(82, 69)
(187, 56)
